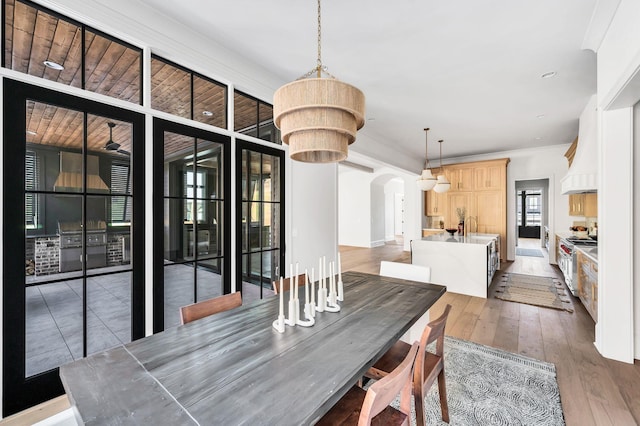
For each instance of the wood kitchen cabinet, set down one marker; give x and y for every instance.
(491, 177)
(435, 203)
(480, 187)
(583, 204)
(588, 283)
(461, 177)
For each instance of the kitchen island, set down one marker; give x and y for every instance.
(465, 264)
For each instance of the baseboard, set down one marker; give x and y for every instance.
(377, 243)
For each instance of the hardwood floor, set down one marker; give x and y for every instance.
(593, 389)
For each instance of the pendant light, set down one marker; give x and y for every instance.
(443, 183)
(318, 117)
(426, 181)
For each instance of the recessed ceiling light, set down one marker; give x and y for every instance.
(31, 132)
(538, 138)
(207, 113)
(53, 65)
(371, 119)
(540, 116)
(549, 74)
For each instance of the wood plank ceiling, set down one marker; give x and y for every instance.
(34, 36)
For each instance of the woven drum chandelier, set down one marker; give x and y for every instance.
(318, 117)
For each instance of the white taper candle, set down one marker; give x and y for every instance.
(281, 296)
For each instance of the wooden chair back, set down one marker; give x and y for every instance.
(385, 390)
(209, 307)
(430, 366)
(286, 283)
(405, 271)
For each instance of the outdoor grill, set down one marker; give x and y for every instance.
(71, 245)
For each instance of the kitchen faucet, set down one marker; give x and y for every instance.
(467, 224)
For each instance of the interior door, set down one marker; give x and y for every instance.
(191, 218)
(260, 218)
(70, 202)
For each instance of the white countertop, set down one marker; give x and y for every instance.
(474, 238)
(591, 252)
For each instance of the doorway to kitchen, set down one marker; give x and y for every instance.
(73, 190)
(532, 217)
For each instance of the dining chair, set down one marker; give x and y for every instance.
(408, 271)
(428, 365)
(286, 283)
(208, 307)
(405, 271)
(371, 407)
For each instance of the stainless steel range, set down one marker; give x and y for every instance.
(71, 245)
(567, 259)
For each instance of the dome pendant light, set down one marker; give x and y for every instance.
(318, 117)
(443, 183)
(426, 181)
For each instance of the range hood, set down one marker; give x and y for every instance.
(583, 172)
(70, 177)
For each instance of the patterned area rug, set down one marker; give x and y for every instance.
(487, 386)
(547, 292)
(529, 252)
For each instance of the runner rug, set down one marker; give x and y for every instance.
(547, 292)
(487, 386)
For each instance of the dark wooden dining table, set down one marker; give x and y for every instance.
(234, 368)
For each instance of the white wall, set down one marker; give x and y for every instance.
(530, 164)
(366, 205)
(354, 208)
(618, 90)
(391, 189)
(312, 209)
(636, 229)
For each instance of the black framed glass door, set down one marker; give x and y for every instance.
(259, 218)
(73, 199)
(191, 218)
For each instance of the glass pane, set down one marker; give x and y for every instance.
(267, 220)
(178, 154)
(209, 240)
(245, 110)
(178, 233)
(255, 176)
(170, 88)
(96, 232)
(209, 102)
(266, 129)
(119, 246)
(209, 170)
(255, 227)
(53, 325)
(112, 69)
(178, 291)
(108, 311)
(54, 148)
(274, 173)
(245, 227)
(245, 175)
(274, 228)
(209, 279)
(268, 272)
(33, 36)
(111, 142)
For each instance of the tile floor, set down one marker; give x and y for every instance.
(54, 312)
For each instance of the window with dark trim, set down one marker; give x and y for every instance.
(32, 179)
(254, 117)
(182, 92)
(46, 44)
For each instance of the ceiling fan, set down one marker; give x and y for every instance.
(111, 145)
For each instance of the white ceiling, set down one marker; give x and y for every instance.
(468, 69)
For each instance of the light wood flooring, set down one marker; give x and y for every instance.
(593, 390)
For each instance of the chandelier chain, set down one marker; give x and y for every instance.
(319, 41)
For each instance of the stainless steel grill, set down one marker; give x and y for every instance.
(71, 245)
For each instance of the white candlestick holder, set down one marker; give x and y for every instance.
(307, 314)
(279, 324)
(322, 299)
(293, 319)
